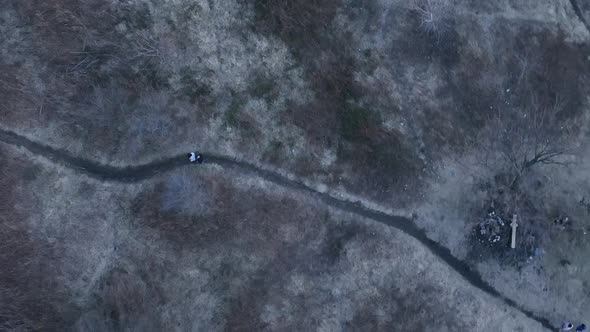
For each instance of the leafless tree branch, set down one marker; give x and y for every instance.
(527, 137)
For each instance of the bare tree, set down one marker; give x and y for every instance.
(433, 15)
(145, 45)
(525, 137)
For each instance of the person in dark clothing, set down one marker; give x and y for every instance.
(199, 159)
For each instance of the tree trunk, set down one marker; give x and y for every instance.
(514, 182)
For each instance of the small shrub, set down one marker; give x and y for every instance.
(232, 113)
(184, 195)
(261, 87)
(297, 22)
(193, 89)
(354, 123)
(234, 118)
(273, 151)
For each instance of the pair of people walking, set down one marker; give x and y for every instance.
(194, 157)
(570, 326)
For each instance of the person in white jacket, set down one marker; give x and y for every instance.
(195, 157)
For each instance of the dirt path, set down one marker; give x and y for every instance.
(579, 13)
(138, 173)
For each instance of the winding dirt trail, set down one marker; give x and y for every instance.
(579, 13)
(138, 173)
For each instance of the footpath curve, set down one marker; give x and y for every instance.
(131, 174)
(579, 13)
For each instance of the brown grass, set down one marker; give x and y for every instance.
(30, 299)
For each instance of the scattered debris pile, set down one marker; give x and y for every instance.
(491, 237)
(492, 228)
(563, 222)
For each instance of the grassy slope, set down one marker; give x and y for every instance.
(354, 95)
(145, 264)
